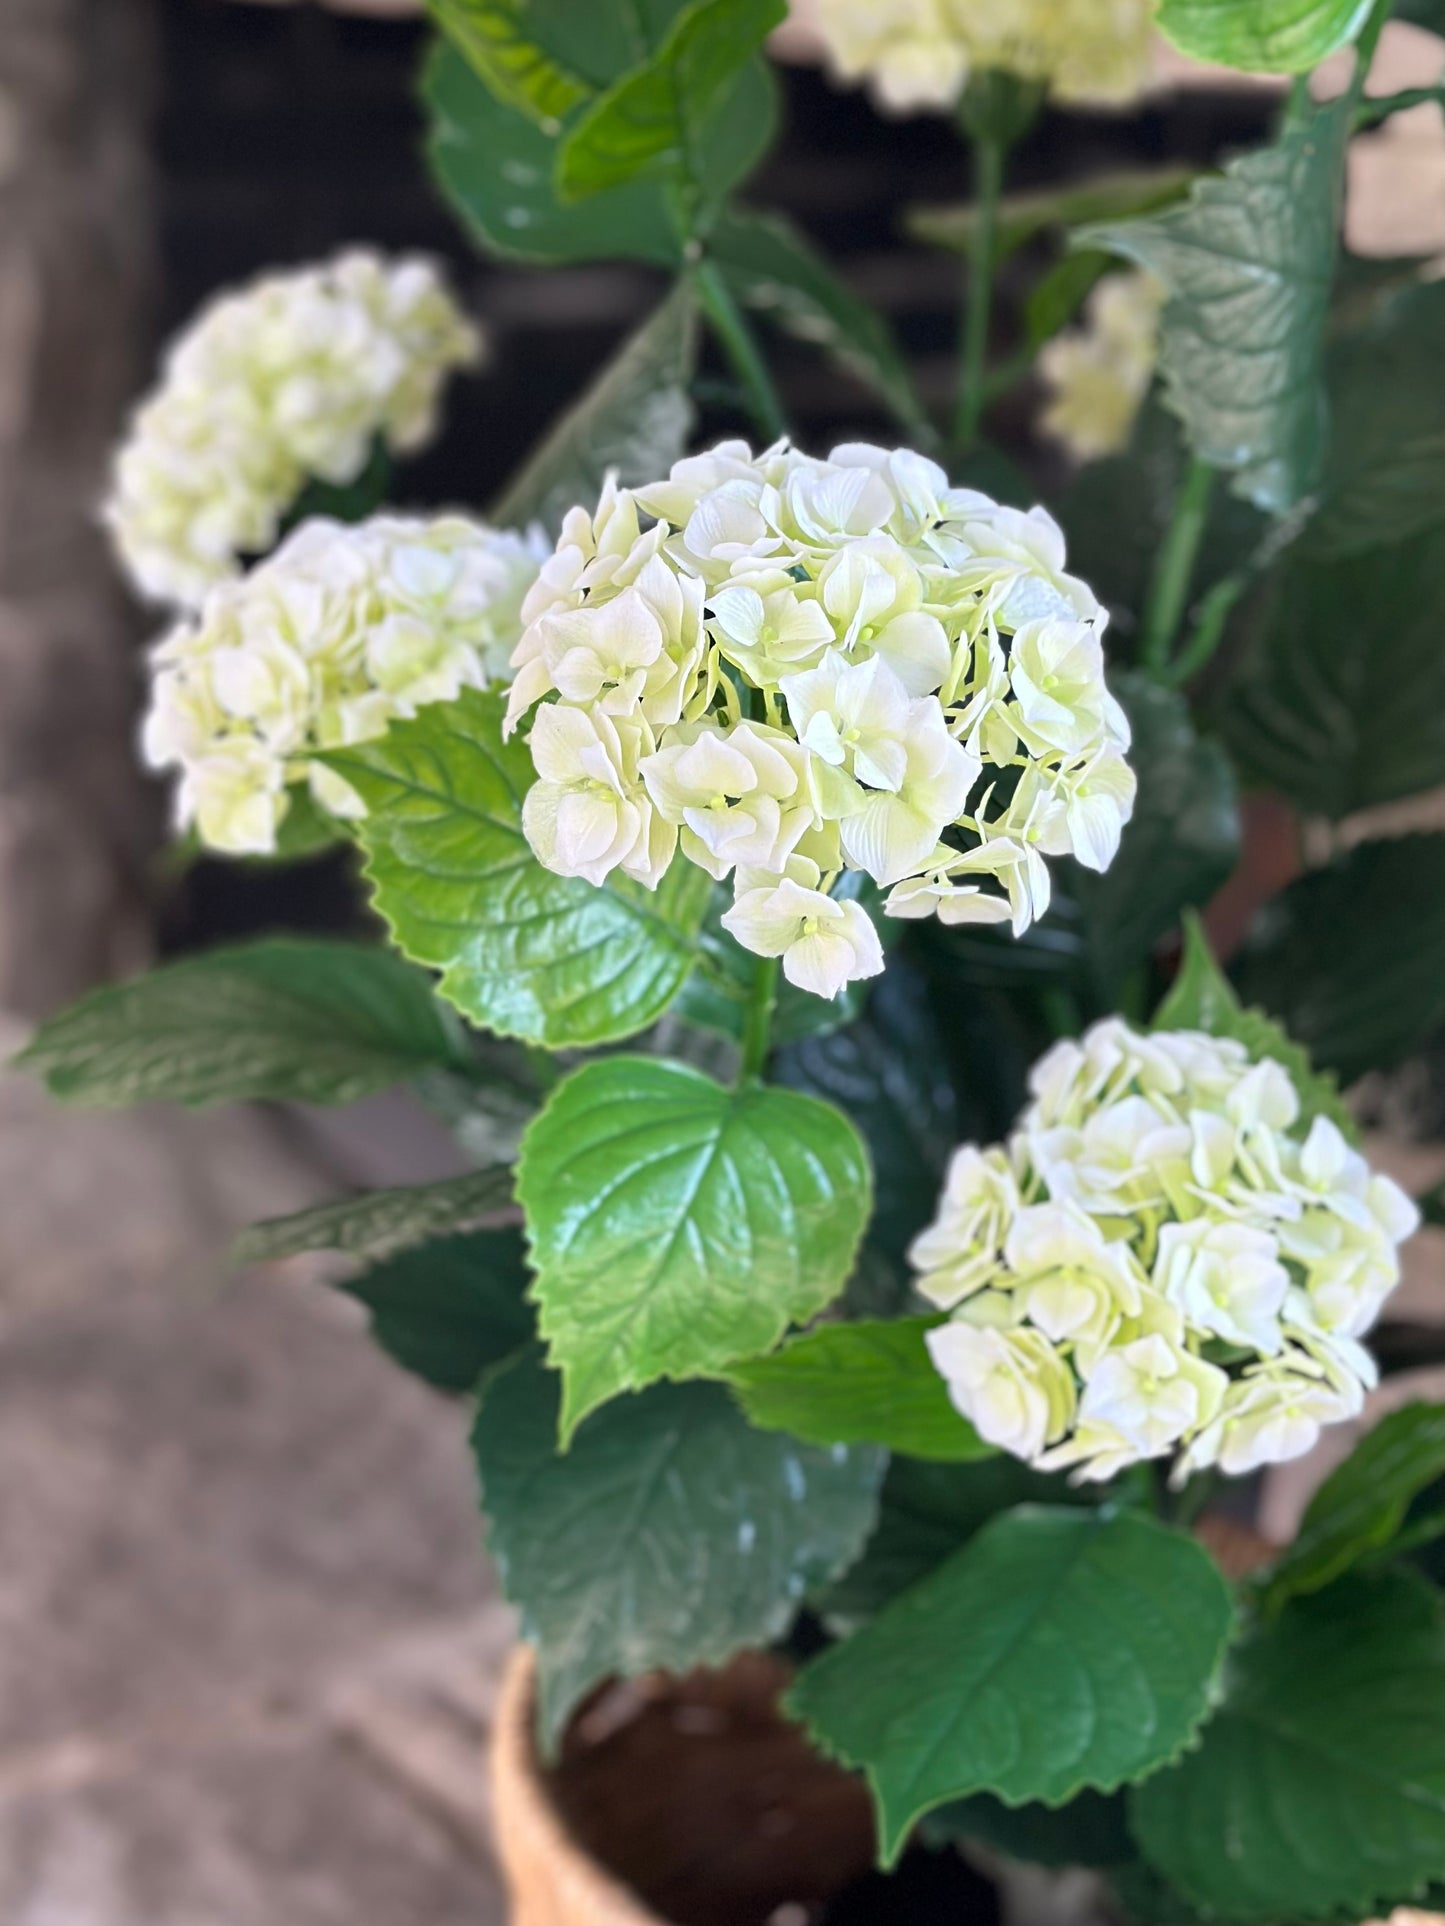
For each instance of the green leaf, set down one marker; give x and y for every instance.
(1385, 478)
(1339, 699)
(1263, 36)
(1319, 1787)
(452, 1308)
(635, 418)
(494, 37)
(888, 1070)
(652, 118)
(1119, 196)
(521, 951)
(926, 1513)
(676, 1226)
(1351, 958)
(1248, 261)
(379, 1222)
(1361, 1506)
(866, 1383)
(1201, 997)
(772, 266)
(670, 1535)
(1059, 1650)
(287, 1019)
(1181, 844)
(1056, 297)
(495, 165)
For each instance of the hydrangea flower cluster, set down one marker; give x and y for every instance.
(787, 667)
(341, 630)
(1162, 1261)
(917, 55)
(291, 378)
(1100, 373)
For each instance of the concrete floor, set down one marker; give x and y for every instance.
(248, 1638)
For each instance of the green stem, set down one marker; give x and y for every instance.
(740, 346)
(988, 157)
(1208, 631)
(1174, 569)
(758, 1018)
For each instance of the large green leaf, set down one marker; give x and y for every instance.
(1319, 1787)
(1385, 477)
(494, 36)
(888, 1069)
(1263, 36)
(304, 1021)
(451, 1308)
(677, 1226)
(524, 952)
(1339, 701)
(866, 1383)
(1181, 843)
(670, 1535)
(1351, 958)
(1362, 1505)
(1248, 262)
(927, 1511)
(1059, 1650)
(652, 118)
(378, 1222)
(772, 266)
(634, 419)
(1202, 998)
(496, 166)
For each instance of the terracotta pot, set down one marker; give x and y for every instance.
(552, 1881)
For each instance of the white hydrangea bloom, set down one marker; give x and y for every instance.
(916, 55)
(291, 378)
(1161, 1262)
(1099, 374)
(341, 630)
(845, 664)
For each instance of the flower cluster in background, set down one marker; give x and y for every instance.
(798, 667)
(917, 55)
(1162, 1261)
(293, 378)
(1099, 374)
(342, 629)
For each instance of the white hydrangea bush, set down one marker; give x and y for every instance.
(1163, 1261)
(1097, 375)
(292, 378)
(917, 55)
(343, 629)
(786, 668)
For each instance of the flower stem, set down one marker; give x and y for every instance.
(738, 342)
(988, 159)
(1174, 568)
(758, 1019)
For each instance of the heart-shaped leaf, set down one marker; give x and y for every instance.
(677, 1226)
